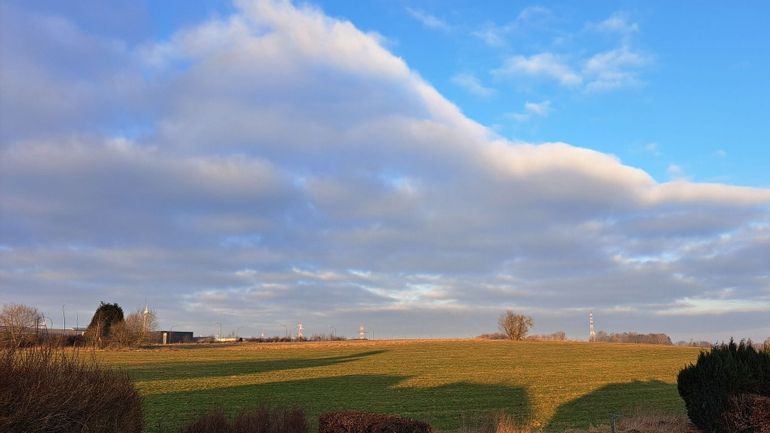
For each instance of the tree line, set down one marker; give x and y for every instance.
(514, 326)
(23, 325)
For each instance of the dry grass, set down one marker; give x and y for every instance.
(642, 423)
(47, 389)
(638, 423)
(497, 423)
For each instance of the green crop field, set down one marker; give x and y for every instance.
(552, 385)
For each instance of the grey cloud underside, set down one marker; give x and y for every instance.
(295, 169)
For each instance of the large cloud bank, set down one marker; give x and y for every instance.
(279, 165)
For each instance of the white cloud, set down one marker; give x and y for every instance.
(652, 148)
(614, 69)
(473, 85)
(710, 307)
(540, 65)
(675, 171)
(428, 20)
(608, 70)
(539, 109)
(618, 22)
(497, 35)
(598, 72)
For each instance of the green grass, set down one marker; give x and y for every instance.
(552, 385)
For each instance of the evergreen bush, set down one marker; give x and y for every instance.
(725, 372)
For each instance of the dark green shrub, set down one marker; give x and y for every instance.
(46, 389)
(728, 370)
(107, 315)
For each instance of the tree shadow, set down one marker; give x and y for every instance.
(219, 368)
(443, 406)
(600, 405)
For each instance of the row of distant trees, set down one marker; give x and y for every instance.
(632, 337)
(514, 326)
(23, 325)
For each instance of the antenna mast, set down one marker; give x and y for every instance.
(300, 336)
(361, 333)
(591, 330)
(145, 313)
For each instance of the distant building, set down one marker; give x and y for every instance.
(171, 337)
(69, 332)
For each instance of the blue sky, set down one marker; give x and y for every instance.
(697, 100)
(391, 163)
(695, 105)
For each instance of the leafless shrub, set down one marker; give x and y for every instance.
(642, 422)
(260, 420)
(365, 422)
(748, 413)
(19, 325)
(52, 390)
(137, 328)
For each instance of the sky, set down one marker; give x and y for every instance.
(415, 167)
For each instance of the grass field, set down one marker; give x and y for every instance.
(551, 385)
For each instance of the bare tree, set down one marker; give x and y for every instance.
(514, 326)
(19, 323)
(136, 328)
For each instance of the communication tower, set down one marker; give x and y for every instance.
(361, 333)
(591, 330)
(299, 331)
(145, 315)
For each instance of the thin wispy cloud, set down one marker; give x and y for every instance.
(473, 85)
(675, 172)
(546, 65)
(601, 71)
(619, 22)
(604, 71)
(497, 35)
(614, 69)
(428, 20)
(652, 148)
(531, 109)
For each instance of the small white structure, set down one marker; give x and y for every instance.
(591, 330)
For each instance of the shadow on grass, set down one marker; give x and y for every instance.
(219, 368)
(441, 406)
(600, 405)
